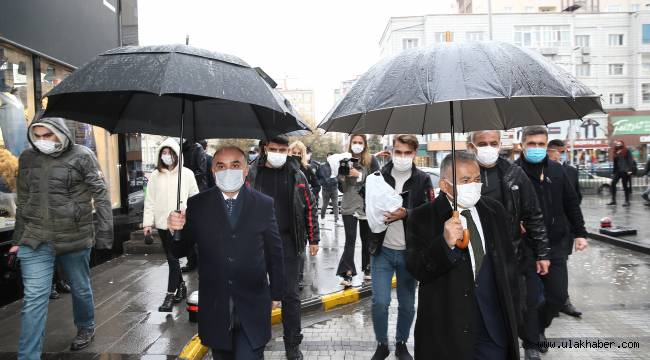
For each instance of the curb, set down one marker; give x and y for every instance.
(194, 350)
(594, 234)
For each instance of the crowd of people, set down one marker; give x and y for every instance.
(249, 218)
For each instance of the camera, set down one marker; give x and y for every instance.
(346, 164)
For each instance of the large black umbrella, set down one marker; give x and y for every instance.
(174, 90)
(460, 87)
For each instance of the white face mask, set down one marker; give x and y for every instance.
(357, 148)
(46, 146)
(229, 180)
(487, 155)
(402, 163)
(167, 159)
(252, 157)
(276, 160)
(468, 194)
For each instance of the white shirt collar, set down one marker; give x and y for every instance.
(226, 197)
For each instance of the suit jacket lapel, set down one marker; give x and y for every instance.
(487, 215)
(242, 203)
(221, 208)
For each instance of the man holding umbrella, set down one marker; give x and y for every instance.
(562, 216)
(466, 308)
(508, 184)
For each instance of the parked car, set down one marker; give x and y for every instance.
(434, 174)
(593, 184)
(136, 201)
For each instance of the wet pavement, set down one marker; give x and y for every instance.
(609, 284)
(635, 216)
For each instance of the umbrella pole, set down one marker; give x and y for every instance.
(177, 234)
(460, 243)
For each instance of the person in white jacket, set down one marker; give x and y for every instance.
(159, 201)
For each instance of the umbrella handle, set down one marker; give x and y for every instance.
(461, 243)
(177, 234)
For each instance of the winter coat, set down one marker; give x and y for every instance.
(304, 211)
(325, 179)
(194, 158)
(447, 303)
(559, 203)
(624, 163)
(161, 195)
(417, 190)
(352, 202)
(56, 194)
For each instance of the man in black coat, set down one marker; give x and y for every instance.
(508, 184)
(565, 225)
(556, 151)
(465, 306)
(209, 176)
(241, 269)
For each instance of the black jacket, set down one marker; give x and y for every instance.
(559, 203)
(195, 160)
(313, 177)
(520, 202)
(244, 263)
(573, 175)
(209, 176)
(624, 163)
(325, 179)
(446, 299)
(305, 213)
(416, 191)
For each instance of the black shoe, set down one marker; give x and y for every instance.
(571, 310)
(626, 204)
(63, 287)
(188, 268)
(367, 276)
(293, 352)
(181, 293)
(645, 197)
(531, 354)
(84, 337)
(346, 281)
(543, 343)
(53, 293)
(402, 352)
(611, 203)
(382, 352)
(167, 304)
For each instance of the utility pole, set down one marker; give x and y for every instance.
(489, 6)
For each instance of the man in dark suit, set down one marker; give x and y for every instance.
(209, 176)
(466, 300)
(241, 269)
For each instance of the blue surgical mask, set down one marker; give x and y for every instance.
(563, 158)
(535, 155)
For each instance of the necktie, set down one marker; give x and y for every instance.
(475, 240)
(230, 205)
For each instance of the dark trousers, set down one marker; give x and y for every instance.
(241, 349)
(529, 331)
(626, 180)
(346, 264)
(291, 298)
(175, 276)
(192, 257)
(330, 196)
(484, 346)
(555, 292)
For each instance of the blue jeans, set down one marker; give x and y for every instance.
(37, 270)
(383, 266)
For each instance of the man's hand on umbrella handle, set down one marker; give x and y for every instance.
(13, 249)
(453, 231)
(147, 230)
(581, 244)
(542, 266)
(176, 220)
(275, 305)
(313, 249)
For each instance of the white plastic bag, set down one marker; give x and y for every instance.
(380, 198)
(334, 160)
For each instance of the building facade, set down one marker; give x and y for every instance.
(537, 6)
(608, 51)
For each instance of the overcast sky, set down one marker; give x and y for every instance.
(317, 44)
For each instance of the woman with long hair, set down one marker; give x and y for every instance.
(624, 168)
(298, 150)
(159, 201)
(352, 208)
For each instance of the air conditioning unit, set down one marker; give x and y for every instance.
(586, 50)
(548, 51)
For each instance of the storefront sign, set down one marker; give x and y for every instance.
(644, 139)
(590, 144)
(631, 125)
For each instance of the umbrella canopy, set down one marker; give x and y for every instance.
(147, 89)
(490, 85)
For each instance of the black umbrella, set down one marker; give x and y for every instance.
(172, 90)
(460, 87)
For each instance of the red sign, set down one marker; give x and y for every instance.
(589, 144)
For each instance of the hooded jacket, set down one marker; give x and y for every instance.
(56, 194)
(160, 198)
